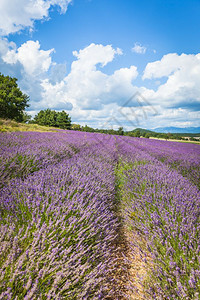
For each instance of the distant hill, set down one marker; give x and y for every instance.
(142, 131)
(177, 130)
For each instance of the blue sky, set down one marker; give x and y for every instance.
(123, 48)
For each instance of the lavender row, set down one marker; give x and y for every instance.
(164, 208)
(57, 229)
(183, 157)
(23, 153)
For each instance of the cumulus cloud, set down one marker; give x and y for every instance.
(18, 14)
(14, 70)
(89, 88)
(28, 63)
(138, 48)
(94, 54)
(175, 117)
(164, 67)
(34, 60)
(55, 96)
(182, 88)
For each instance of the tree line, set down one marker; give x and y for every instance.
(138, 132)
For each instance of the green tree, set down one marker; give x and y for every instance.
(26, 118)
(76, 127)
(120, 131)
(50, 117)
(137, 133)
(40, 118)
(63, 120)
(86, 128)
(12, 101)
(147, 135)
(131, 133)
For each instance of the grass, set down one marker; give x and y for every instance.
(13, 126)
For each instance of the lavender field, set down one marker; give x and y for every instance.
(76, 209)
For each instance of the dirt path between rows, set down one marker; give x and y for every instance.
(132, 255)
(137, 267)
(130, 267)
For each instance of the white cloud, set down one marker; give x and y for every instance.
(90, 88)
(94, 54)
(175, 117)
(5, 45)
(125, 75)
(182, 88)
(28, 63)
(34, 60)
(164, 67)
(55, 96)
(18, 14)
(119, 85)
(138, 48)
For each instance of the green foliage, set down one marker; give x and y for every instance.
(12, 101)
(193, 139)
(141, 132)
(63, 120)
(147, 135)
(137, 133)
(50, 117)
(26, 118)
(121, 131)
(107, 131)
(76, 127)
(87, 129)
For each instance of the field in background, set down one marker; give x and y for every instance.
(180, 141)
(95, 216)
